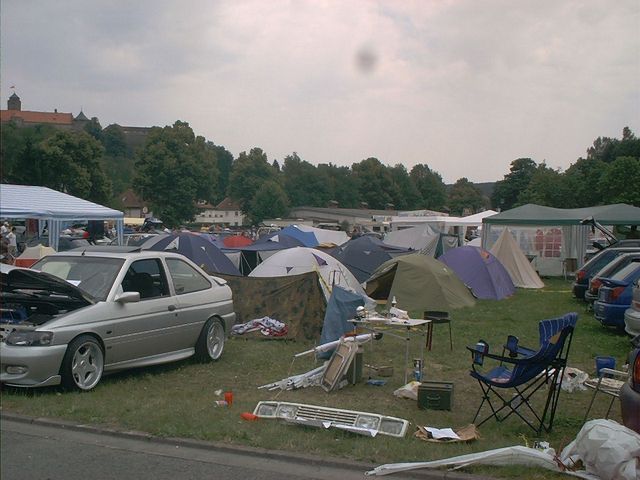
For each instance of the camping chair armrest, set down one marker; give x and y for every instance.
(615, 373)
(507, 359)
(500, 358)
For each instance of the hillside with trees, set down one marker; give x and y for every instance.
(174, 169)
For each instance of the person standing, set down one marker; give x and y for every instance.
(13, 242)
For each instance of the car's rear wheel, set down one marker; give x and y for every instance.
(83, 364)
(211, 341)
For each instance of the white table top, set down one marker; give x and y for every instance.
(394, 321)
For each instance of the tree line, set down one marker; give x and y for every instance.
(175, 169)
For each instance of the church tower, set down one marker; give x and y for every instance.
(14, 103)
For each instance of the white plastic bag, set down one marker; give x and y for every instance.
(410, 390)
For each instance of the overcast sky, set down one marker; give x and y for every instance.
(463, 86)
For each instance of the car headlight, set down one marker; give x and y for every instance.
(266, 410)
(287, 411)
(367, 421)
(29, 338)
(392, 426)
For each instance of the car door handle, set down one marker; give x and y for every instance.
(171, 308)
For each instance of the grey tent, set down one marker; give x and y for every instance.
(363, 255)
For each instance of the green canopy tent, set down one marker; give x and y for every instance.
(553, 235)
(419, 283)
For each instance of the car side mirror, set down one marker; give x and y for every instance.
(128, 297)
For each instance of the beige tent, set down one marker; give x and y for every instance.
(32, 254)
(510, 255)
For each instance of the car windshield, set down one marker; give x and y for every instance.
(94, 275)
(600, 260)
(626, 271)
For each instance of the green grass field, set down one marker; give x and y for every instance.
(178, 400)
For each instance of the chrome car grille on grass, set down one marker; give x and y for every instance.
(358, 422)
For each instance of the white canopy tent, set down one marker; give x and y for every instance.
(423, 233)
(440, 222)
(555, 235)
(53, 207)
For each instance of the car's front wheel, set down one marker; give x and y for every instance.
(211, 341)
(83, 364)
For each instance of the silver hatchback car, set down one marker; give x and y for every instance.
(79, 314)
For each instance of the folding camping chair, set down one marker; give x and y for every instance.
(608, 386)
(512, 384)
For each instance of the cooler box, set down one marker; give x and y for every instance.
(435, 395)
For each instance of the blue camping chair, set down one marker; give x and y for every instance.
(512, 384)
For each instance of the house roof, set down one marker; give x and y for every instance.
(228, 204)
(37, 117)
(82, 116)
(205, 206)
(131, 199)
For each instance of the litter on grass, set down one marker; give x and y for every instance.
(410, 391)
(364, 423)
(360, 339)
(605, 448)
(573, 380)
(447, 435)
(267, 326)
(312, 378)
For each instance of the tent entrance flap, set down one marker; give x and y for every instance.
(379, 288)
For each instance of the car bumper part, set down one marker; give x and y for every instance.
(632, 322)
(579, 289)
(609, 314)
(31, 366)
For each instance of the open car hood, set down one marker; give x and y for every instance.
(13, 279)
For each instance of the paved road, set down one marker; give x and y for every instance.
(39, 450)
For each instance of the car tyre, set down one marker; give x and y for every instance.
(210, 343)
(83, 364)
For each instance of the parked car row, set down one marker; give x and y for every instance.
(609, 282)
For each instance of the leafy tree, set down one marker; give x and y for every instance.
(464, 194)
(581, 183)
(506, 192)
(175, 169)
(609, 149)
(621, 182)
(117, 160)
(94, 128)
(270, 201)
(114, 141)
(19, 152)
(406, 194)
(69, 162)
(375, 183)
(430, 185)
(248, 173)
(225, 161)
(304, 183)
(343, 186)
(547, 187)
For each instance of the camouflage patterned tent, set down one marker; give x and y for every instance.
(296, 300)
